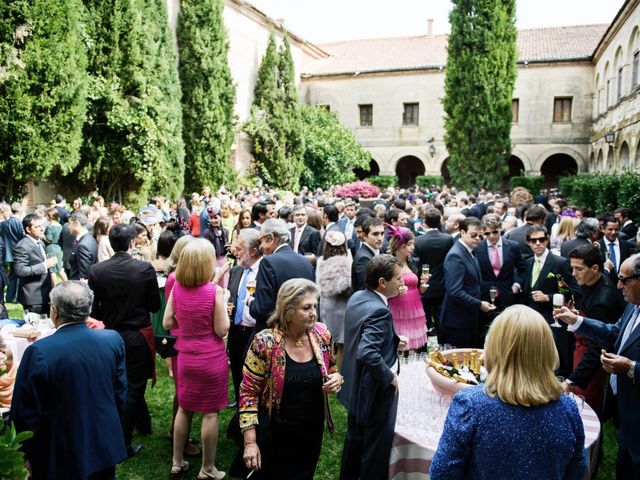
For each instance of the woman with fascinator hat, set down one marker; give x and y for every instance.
(407, 311)
(333, 277)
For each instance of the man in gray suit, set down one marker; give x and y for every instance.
(31, 266)
(369, 367)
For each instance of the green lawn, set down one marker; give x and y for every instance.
(154, 460)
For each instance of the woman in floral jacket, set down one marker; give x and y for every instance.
(288, 372)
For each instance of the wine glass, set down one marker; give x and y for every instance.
(425, 269)
(558, 301)
(493, 291)
(251, 287)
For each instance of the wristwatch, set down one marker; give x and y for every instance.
(631, 371)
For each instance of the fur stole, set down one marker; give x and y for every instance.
(333, 276)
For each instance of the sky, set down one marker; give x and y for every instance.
(320, 21)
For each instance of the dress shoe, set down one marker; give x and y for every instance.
(133, 450)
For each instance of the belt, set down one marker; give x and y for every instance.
(242, 328)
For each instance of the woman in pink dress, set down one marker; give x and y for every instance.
(407, 311)
(198, 308)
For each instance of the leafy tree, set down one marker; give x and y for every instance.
(480, 75)
(332, 152)
(42, 91)
(133, 134)
(275, 125)
(208, 94)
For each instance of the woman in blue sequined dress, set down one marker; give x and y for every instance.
(519, 424)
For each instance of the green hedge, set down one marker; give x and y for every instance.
(383, 181)
(533, 184)
(603, 193)
(427, 181)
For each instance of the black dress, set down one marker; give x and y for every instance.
(296, 429)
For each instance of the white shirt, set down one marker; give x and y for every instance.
(383, 297)
(375, 252)
(616, 249)
(470, 250)
(348, 228)
(247, 319)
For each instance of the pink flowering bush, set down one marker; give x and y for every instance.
(361, 189)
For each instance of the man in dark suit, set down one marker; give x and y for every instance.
(599, 301)
(462, 303)
(370, 393)
(544, 270)
(12, 233)
(247, 251)
(622, 359)
(305, 239)
(280, 263)
(126, 293)
(452, 225)
(330, 217)
(31, 266)
(432, 248)
(372, 233)
(61, 207)
(70, 392)
(611, 248)
(623, 215)
(586, 234)
(347, 222)
(85, 250)
(3, 283)
(535, 216)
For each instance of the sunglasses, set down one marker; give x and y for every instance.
(476, 234)
(492, 232)
(538, 240)
(625, 280)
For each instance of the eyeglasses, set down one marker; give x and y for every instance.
(492, 232)
(260, 239)
(538, 240)
(625, 280)
(475, 234)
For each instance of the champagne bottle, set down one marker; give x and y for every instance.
(450, 370)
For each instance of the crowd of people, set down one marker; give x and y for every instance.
(299, 296)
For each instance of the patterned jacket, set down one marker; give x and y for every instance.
(263, 374)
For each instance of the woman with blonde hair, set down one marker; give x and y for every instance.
(198, 307)
(519, 424)
(288, 372)
(563, 231)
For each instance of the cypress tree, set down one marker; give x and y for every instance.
(133, 134)
(42, 91)
(265, 92)
(208, 94)
(480, 76)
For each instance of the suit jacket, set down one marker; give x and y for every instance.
(512, 270)
(609, 337)
(599, 301)
(70, 391)
(432, 248)
(547, 283)
(12, 233)
(84, 254)
(370, 351)
(630, 230)
(569, 245)
(28, 265)
(352, 243)
(519, 235)
(461, 304)
(309, 240)
(625, 252)
(274, 270)
(235, 275)
(66, 242)
(359, 267)
(126, 292)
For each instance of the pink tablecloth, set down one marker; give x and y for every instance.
(413, 448)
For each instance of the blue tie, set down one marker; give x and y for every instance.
(242, 294)
(612, 256)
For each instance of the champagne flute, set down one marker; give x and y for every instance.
(493, 291)
(425, 269)
(558, 301)
(251, 287)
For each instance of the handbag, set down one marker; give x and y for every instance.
(165, 345)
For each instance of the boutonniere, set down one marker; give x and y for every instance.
(550, 275)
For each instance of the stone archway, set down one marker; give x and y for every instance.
(623, 161)
(407, 169)
(600, 161)
(592, 162)
(361, 173)
(515, 168)
(556, 166)
(444, 171)
(611, 162)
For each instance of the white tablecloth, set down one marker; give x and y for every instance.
(18, 345)
(421, 415)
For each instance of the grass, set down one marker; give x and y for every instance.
(154, 460)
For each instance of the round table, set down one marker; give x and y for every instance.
(18, 345)
(421, 415)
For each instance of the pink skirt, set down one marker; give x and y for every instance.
(408, 317)
(203, 380)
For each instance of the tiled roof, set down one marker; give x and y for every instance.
(424, 52)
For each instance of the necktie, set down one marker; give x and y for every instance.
(242, 294)
(536, 271)
(495, 260)
(42, 251)
(296, 240)
(612, 256)
(630, 327)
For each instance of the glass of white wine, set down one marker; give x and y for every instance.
(558, 301)
(425, 269)
(251, 287)
(493, 291)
